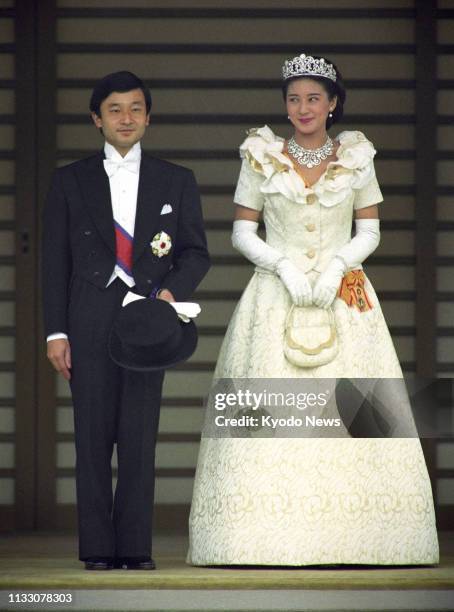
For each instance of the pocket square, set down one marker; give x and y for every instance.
(166, 209)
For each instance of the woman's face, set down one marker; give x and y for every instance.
(308, 106)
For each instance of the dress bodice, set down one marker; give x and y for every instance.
(307, 224)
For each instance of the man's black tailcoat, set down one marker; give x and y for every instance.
(112, 404)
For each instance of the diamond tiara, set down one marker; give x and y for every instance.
(306, 65)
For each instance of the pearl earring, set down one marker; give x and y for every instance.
(330, 115)
(288, 116)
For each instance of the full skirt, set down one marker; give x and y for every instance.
(309, 501)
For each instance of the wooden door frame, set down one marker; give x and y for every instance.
(35, 27)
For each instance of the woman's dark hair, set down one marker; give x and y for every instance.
(332, 89)
(117, 81)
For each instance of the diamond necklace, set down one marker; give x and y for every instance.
(310, 157)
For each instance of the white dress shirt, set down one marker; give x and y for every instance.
(124, 186)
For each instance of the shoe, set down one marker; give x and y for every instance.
(135, 563)
(99, 563)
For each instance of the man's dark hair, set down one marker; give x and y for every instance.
(117, 81)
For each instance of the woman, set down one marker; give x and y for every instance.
(312, 500)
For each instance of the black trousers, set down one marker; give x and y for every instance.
(111, 405)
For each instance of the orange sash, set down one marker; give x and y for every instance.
(352, 291)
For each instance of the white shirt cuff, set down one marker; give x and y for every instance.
(56, 336)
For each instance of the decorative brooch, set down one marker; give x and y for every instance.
(161, 244)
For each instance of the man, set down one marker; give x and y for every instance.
(113, 221)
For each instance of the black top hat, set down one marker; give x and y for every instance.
(148, 335)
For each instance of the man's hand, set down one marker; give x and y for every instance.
(166, 295)
(59, 354)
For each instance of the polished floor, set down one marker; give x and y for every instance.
(40, 562)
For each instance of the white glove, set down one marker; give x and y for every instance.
(246, 241)
(365, 241)
(349, 257)
(295, 281)
(328, 283)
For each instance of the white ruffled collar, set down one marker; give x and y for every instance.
(352, 169)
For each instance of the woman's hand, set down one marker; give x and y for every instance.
(295, 281)
(328, 283)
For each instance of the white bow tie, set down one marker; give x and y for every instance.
(111, 166)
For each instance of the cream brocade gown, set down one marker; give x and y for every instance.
(303, 501)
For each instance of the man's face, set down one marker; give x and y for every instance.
(123, 119)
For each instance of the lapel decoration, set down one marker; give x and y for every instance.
(161, 244)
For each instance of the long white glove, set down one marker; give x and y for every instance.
(349, 257)
(246, 241)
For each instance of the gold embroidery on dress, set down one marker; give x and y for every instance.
(257, 166)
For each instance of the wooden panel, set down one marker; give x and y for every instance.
(7, 66)
(251, 3)
(445, 173)
(445, 313)
(445, 66)
(6, 103)
(277, 30)
(445, 350)
(445, 491)
(6, 491)
(7, 243)
(445, 455)
(194, 386)
(445, 243)
(445, 137)
(7, 138)
(6, 172)
(7, 276)
(7, 419)
(445, 278)
(7, 455)
(7, 208)
(445, 208)
(238, 66)
(7, 30)
(7, 349)
(445, 101)
(7, 314)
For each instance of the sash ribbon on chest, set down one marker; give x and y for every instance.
(124, 249)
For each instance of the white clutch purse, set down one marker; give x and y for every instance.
(310, 338)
